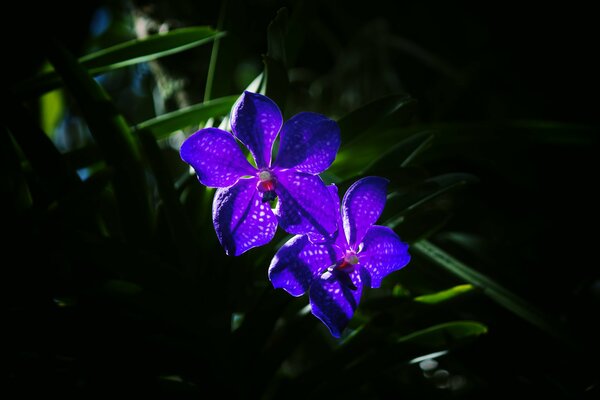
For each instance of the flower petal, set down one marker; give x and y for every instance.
(305, 204)
(216, 157)
(242, 221)
(333, 301)
(337, 238)
(382, 252)
(362, 205)
(308, 143)
(298, 263)
(255, 121)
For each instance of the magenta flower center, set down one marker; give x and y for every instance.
(349, 260)
(266, 185)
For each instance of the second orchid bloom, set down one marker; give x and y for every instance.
(334, 271)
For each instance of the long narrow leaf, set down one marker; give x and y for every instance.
(444, 295)
(444, 334)
(14, 189)
(163, 125)
(359, 360)
(399, 155)
(406, 200)
(214, 54)
(374, 115)
(125, 54)
(276, 76)
(493, 290)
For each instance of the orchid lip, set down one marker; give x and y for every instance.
(348, 262)
(334, 269)
(351, 258)
(342, 267)
(266, 185)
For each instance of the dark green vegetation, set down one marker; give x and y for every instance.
(484, 121)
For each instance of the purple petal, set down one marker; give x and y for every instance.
(333, 301)
(305, 204)
(338, 239)
(382, 252)
(298, 263)
(335, 197)
(308, 143)
(255, 121)
(362, 205)
(242, 221)
(216, 157)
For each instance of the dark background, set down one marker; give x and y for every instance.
(479, 70)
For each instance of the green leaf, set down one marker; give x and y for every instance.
(83, 156)
(384, 112)
(184, 237)
(375, 130)
(493, 290)
(276, 80)
(257, 84)
(120, 288)
(214, 54)
(444, 295)
(276, 33)
(405, 200)
(115, 140)
(369, 352)
(285, 339)
(163, 125)
(52, 109)
(444, 334)
(55, 176)
(14, 189)
(148, 49)
(361, 162)
(125, 54)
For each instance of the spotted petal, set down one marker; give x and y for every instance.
(305, 204)
(362, 205)
(333, 301)
(382, 252)
(216, 157)
(242, 221)
(308, 143)
(337, 238)
(255, 121)
(299, 262)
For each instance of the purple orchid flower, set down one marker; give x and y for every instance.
(242, 214)
(334, 271)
